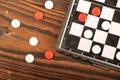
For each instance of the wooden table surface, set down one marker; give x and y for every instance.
(14, 45)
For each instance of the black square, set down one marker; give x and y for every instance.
(100, 24)
(111, 2)
(112, 40)
(71, 41)
(88, 28)
(116, 17)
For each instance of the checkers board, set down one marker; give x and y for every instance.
(91, 30)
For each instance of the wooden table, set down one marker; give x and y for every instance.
(14, 45)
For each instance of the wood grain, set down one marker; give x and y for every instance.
(14, 45)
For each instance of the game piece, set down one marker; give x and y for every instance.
(49, 4)
(106, 25)
(96, 49)
(29, 58)
(88, 34)
(96, 11)
(93, 32)
(49, 54)
(39, 16)
(15, 23)
(82, 17)
(33, 41)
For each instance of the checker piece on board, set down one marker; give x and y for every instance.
(92, 31)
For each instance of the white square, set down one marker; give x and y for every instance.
(115, 28)
(118, 4)
(76, 29)
(85, 45)
(100, 1)
(109, 52)
(118, 46)
(107, 13)
(83, 6)
(100, 36)
(92, 21)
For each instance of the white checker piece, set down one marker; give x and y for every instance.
(88, 34)
(92, 21)
(107, 13)
(85, 45)
(109, 52)
(76, 29)
(33, 41)
(29, 58)
(83, 6)
(106, 25)
(15, 23)
(96, 49)
(115, 28)
(118, 4)
(100, 36)
(49, 4)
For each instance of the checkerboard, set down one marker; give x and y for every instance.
(114, 3)
(93, 30)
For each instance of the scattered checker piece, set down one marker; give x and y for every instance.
(92, 31)
(33, 41)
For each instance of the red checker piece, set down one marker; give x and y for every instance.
(49, 54)
(96, 11)
(39, 16)
(82, 17)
